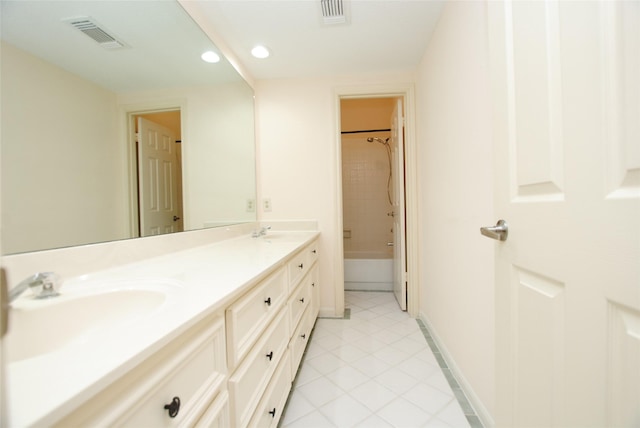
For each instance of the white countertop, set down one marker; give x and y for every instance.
(197, 283)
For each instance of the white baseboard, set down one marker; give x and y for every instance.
(367, 286)
(481, 411)
(329, 313)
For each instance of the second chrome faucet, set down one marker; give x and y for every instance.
(261, 232)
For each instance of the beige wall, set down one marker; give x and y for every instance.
(57, 129)
(298, 148)
(66, 161)
(217, 143)
(358, 114)
(456, 198)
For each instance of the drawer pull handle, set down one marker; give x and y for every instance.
(302, 300)
(268, 301)
(273, 412)
(270, 355)
(174, 407)
(303, 335)
(301, 265)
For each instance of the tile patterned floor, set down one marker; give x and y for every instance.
(375, 369)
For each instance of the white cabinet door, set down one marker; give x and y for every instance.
(566, 86)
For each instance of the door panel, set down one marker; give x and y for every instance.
(399, 237)
(536, 106)
(158, 185)
(566, 79)
(621, 42)
(538, 338)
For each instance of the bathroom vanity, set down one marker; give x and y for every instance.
(207, 336)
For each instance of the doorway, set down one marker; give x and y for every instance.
(373, 195)
(157, 178)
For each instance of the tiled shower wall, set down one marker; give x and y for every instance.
(365, 171)
(366, 223)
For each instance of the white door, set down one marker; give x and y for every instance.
(566, 86)
(399, 241)
(157, 179)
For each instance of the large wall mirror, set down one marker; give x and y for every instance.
(113, 127)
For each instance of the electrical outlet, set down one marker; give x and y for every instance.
(266, 205)
(251, 205)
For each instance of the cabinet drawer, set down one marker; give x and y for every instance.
(217, 414)
(297, 267)
(248, 316)
(299, 301)
(300, 264)
(191, 369)
(269, 411)
(249, 381)
(313, 252)
(299, 340)
(315, 290)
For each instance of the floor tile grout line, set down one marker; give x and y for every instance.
(458, 392)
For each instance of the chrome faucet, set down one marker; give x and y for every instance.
(261, 232)
(43, 285)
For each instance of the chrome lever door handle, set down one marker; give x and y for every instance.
(500, 231)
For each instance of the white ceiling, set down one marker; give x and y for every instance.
(381, 35)
(163, 44)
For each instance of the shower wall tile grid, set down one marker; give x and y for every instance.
(365, 172)
(379, 368)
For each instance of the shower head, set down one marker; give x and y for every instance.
(377, 140)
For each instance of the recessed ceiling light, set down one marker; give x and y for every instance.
(210, 56)
(260, 52)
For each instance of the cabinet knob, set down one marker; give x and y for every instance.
(302, 300)
(313, 284)
(268, 301)
(173, 407)
(270, 355)
(273, 412)
(314, 251)
(303, 335)
(301, 265)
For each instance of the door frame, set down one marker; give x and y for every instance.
(406, 92)
(127, 113)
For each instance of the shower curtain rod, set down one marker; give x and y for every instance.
(365, 131)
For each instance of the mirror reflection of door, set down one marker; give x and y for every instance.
(159, 173)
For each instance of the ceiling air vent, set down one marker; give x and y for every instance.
(96, 32)
(333, 12)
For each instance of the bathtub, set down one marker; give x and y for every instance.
(368, 271)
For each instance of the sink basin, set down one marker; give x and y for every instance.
(38, 327)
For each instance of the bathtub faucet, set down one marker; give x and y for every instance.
(43, 285)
